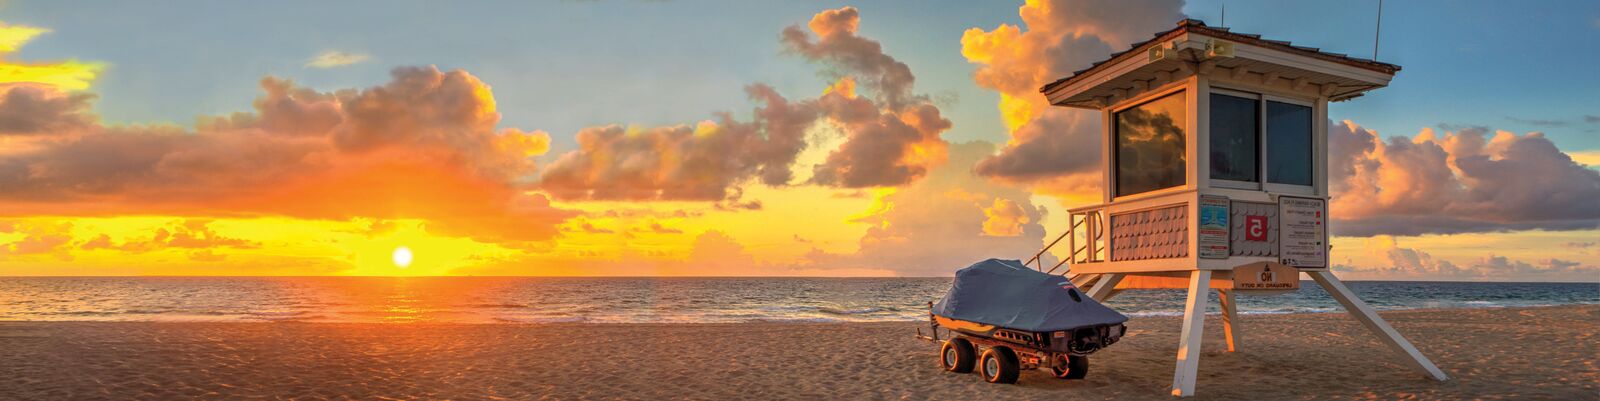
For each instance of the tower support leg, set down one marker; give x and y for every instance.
(1230, 318)
(1368, 317)
(1102, 288)
(1081, 280)
(1194, 319)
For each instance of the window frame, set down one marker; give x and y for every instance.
(1114, 131)
(1267, 183)
(1260, 143)
(1262, 158)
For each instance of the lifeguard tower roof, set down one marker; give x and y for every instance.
(1193, 44)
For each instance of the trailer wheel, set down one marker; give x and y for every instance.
(1076, 367)
(957, 355)
(999, 365)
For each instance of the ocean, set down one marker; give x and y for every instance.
(639, 300)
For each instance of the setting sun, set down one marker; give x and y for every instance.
(402, 257)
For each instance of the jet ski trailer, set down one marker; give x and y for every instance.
(1019, 319)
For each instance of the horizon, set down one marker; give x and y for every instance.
(754, 277)
(827, 140)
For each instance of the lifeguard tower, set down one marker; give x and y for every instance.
(1215, 153)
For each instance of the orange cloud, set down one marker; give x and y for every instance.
(54, 238)
(1049, 146)
(1464, 181)
(191, 234)
(423, 146)
(1005, 219)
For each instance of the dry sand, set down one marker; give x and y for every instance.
(1538, 353)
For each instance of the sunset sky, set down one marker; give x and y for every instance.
(602, 138)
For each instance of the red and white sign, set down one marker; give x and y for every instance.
(1255, 228)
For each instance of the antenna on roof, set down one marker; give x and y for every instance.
(1224, 15)
(1377, 31)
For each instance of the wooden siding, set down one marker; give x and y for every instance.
(1151, 234)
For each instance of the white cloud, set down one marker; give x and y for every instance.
(335, 58)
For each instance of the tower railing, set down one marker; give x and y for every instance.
(1085, 237)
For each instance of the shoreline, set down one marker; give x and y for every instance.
(1533, 352)
(775, 320)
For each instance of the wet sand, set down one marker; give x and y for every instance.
(1527, 353)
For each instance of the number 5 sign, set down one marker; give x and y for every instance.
(1255, 228)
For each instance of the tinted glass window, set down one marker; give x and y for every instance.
(1149, 147)
(1234, 153)
(1288, 144)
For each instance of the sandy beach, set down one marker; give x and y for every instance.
(1527, 353)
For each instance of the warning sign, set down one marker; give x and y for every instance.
(1266, 276)
(1214, 227)
(1303, 231)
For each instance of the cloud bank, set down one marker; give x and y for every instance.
(1469, 180)
(1402, 262)
(423, 145)
(890, 139)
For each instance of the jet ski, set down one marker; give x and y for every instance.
(1021, 319)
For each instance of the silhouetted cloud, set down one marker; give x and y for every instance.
(1539, 122)
(27, 109)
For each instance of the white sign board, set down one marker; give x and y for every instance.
(1214, 227)
(1303, 231)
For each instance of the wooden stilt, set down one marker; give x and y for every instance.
(1102, 288)
(1082, 280)
(1368, 317)
(1194, 319)
(1230, 318)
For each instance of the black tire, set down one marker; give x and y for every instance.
(999, 365)
(957, 355)
(1077, 367)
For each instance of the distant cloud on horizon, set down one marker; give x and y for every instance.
(335, 58)
(1538, 122)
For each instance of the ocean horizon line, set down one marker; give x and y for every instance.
(1597, 281)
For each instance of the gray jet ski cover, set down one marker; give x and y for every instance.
(1008, 294)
